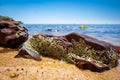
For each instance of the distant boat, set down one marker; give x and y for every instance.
(83, 26)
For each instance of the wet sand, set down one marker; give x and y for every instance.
(48, 69)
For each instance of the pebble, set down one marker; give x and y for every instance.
(22, 69)
(13, 75)
(7, 69)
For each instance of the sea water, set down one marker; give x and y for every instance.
(106, 32)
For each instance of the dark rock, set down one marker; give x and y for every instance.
(91, 65)
(63, 42)
(49, 29)
(62, 47)
(12, 34)
(95, 43)
(118, 50)
(23, 52)
(6, 18)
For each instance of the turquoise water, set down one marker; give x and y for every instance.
(105, 32)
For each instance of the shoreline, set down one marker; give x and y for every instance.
(28, 68)
(23, 68)
(104, 32)
(110, 40)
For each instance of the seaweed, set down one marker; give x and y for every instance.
(83, 50)
(48, 47)
(5, 18)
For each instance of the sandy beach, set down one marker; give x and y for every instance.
(48, 69)
(59, 39)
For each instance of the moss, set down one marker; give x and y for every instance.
(5, 18)
(51, 48)
(81, 49)
(46, 47)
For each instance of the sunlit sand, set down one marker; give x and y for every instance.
(47, 69)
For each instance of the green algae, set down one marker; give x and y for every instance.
(6, 18)
(48, 47)
(83, 50)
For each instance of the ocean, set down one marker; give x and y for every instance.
(105, 32)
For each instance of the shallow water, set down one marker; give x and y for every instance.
(105, 32)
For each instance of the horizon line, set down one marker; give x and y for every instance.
(71, 23)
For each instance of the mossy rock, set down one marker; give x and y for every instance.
(5, 18)
(46, 46)
(81, 53)
(12, 33)
(83, 26)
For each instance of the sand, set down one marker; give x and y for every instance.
(12, 68)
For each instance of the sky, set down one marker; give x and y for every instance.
(62, 11)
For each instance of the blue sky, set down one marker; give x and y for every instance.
(62, 11)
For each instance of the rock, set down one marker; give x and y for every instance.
(49, 29)
(118, 50)
(92, 65)
(63, 48)
(13, 75)
(63, 42)
(12, 34)
(110, 54)
(83, 27)
(95, 43)
(23, 52)
(5, 18)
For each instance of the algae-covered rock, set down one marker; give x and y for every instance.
(74, 52)
(83, 26)
(94, 43)
(12, 33)
(91, 64)
(6, 18)
(81, 49)
(46, 46)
